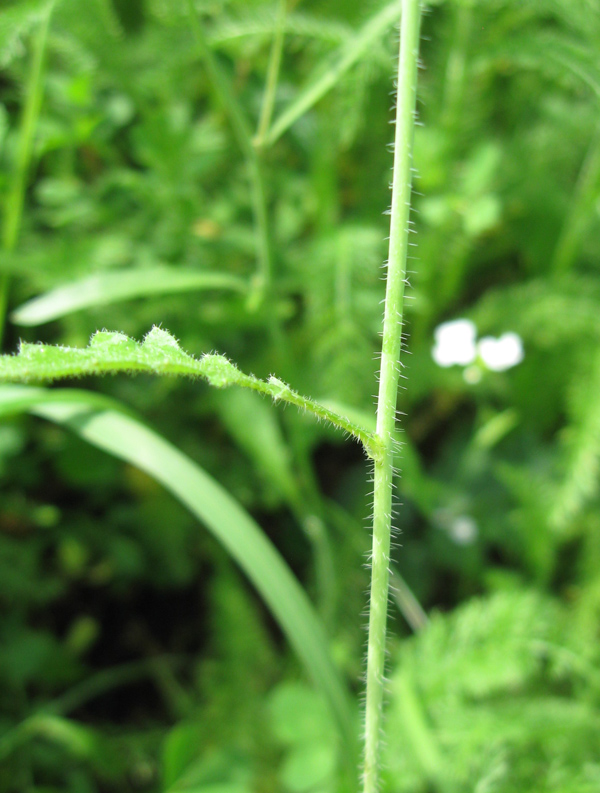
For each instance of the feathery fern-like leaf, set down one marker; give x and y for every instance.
(491, 688)
(16, 21)
(582, 441)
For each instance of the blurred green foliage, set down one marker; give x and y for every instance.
(133, 655)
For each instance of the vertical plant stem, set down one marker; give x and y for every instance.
(266, 113)
(242, 131)
(13, 208)
(388, 385)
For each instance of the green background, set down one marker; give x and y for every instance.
(134, 656)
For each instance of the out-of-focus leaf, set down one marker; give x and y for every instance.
(187, 768)
(581, 464)
(114, 287)
(76, 739)
(16, 21)
(298, 714)
(254, 426)
(300, 720)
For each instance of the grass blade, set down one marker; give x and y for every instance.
(126, 438)
(106, 288)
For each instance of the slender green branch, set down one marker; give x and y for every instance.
(13, 210)
(243, 133)
(160, 354)
(388, 385)
(268, 103)
(326, 78)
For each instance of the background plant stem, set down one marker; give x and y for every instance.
(13, 209)
(241, 128)
(266, 112)
(388, 386)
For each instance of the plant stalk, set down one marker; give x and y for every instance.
(388, 385)
(13, 209)
(268, 104)
(261, 283)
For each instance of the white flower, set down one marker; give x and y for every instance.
(500, 354)
(455, 343)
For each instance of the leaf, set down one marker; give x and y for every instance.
(16, 22)
(160, 354)
(327, 75)
(77, 740)
(581, 441)
(254, 426)
(187, 768)
(125, 437)
(298, 714)
(504, 673)
(547, 313)
(308, 766)
(554, 54)
(105, 288)
(255, 22)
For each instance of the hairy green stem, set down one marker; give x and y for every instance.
(388, 385)
(266, 113)
(13, 209)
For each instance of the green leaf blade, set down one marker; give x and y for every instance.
(108, 288)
